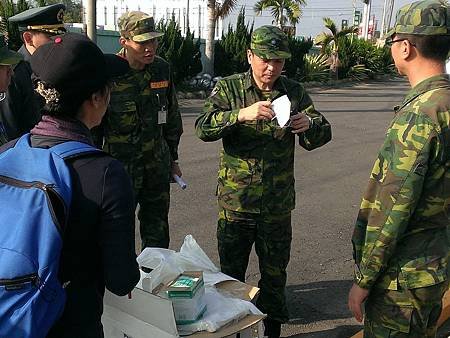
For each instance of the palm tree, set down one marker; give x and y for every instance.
(216, 10)
(332, 40)
(278, 8)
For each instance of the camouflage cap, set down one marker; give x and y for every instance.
(137, 26)
(7, 56)
(269, 42)
(429, 17)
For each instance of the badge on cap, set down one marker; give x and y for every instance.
(60, 15)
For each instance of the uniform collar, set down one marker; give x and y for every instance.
(25, 53)
(438, 81)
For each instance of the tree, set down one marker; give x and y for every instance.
(231, 51)
(216, 10)
(183, 53)
(9, 29)
(73, 12)
(279, 7)
(330, 41)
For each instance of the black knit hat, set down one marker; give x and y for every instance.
(74, 65)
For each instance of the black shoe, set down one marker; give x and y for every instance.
(272, 328)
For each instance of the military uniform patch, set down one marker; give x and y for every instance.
(159, 84)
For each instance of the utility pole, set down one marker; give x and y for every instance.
(91, 20)
(387, 15)
(187, 16)
(366, 18)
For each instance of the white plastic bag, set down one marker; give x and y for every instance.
(164, 266)
(220, 310)
(168, 264)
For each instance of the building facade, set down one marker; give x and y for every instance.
(186, 12)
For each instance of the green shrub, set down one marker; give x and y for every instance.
(230, 53)
(183, 53)
(362, 53)
(315, 69)
(294, 66)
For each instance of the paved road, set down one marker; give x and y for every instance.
(329, 183)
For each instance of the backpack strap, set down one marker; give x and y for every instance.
(65, 150)
(72, 149)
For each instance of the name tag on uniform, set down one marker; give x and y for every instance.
(162, 116)
(159, 84)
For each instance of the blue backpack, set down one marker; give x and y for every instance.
(35, 196)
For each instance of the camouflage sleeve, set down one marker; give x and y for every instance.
(394, 189)
(320, 131)
(218, 118)
(174, 126)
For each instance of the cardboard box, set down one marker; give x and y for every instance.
(146, 315)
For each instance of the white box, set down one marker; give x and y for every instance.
(149, 316)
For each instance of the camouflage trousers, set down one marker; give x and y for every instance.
(404, 313)
(152, 192)
(272, 236)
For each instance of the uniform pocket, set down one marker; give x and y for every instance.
(386, 313)
(122, 116)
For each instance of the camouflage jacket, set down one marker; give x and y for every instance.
(256, 173)
(400, 235)
(131, 130)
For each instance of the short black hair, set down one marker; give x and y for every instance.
(435, 47)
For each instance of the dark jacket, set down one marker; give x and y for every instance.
(19, 110)
(99, 244)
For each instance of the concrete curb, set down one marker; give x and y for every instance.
(444, 315)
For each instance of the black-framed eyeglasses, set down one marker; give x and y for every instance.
(390, 42)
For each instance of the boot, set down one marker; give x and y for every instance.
(272, 328)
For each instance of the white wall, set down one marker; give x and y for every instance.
(311, 22)
(108, 11)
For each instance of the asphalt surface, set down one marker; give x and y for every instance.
(329, 184)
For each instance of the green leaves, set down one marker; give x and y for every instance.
(231, 51)
(183, 53)
(282, 10)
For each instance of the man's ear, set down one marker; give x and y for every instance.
(96, 99)
(27, 37)
(122, 41)
(249, 56)
(406, 49)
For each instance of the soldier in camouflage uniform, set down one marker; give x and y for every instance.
(256, 176)
(400, 240)
(143, 126)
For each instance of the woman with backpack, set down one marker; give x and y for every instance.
(73, 76)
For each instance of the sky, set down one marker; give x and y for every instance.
(311, 22)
